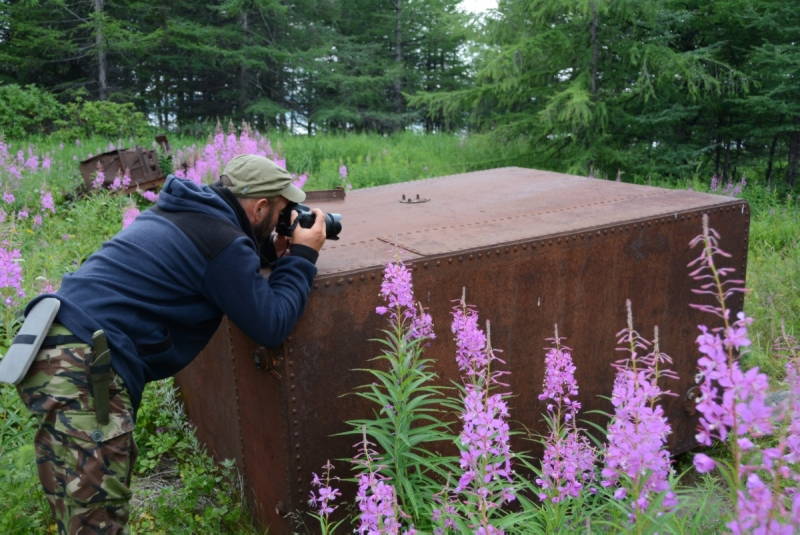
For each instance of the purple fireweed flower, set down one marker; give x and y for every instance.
(8, 197)
(703, 463)
(444, 513)
(729, 399)
(325, 494)
(129, 215)
(126, 178)
(149, 195)
(37, 220)
(343, 171)
(398, 293)
(23, 214)
(567, 466)
(10, 275)
(46, 162)
(637, 433)
(116, 184)
(46, 200)
(470, 341)
(379, 512)
(734, 407)
(301, 180)
(99, 180)
(205, 164)
(568, 459)
(760, 510)
(486, 481)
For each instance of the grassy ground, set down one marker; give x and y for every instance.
(177, 488)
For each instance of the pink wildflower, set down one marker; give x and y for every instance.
(23, 214)
(47, 202)
(99, 180)
(322, 498)
(568, 459)
(379, 513)
(10, 275)
(37, 220)
(485, 452)
(46, 162)
(151, 196)
(637, 433)
(8, 197)
(398, 293)
(300, 181)
(343, 171)
(129, 215)
(703, 463)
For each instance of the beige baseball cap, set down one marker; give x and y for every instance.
(255, 176)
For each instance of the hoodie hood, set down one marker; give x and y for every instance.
(179, 194)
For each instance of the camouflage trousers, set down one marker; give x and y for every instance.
(84, 467)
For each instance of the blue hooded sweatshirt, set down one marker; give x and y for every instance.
(160, 287)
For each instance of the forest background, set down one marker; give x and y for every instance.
(664, 88)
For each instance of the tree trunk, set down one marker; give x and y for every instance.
(794, 156)
(595, 44)
(768, 177)
(398, 56)
(243, 100)
(593, 75)
(100, 43)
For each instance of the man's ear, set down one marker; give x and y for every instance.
(261, 208)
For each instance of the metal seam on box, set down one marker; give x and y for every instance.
(546, 242)
(232, 355)
(295, 445)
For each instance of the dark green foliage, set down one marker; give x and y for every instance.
(27, 110)
(299, 65)
(670, 88)
(86, 118)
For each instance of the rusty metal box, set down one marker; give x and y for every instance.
(531, 247)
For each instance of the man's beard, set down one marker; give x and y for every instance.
(263, 230)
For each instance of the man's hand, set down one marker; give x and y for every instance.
(312, 237)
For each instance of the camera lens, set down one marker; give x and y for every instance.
(305, 218)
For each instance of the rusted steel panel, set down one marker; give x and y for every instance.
(209, 392)
(532, 248)
(142, 165)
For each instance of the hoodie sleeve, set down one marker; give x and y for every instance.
(266, 309)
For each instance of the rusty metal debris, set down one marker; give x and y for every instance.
(531, 247)
(141, 165)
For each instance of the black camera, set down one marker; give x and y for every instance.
(305, 218)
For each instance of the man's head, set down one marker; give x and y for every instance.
(263, 189)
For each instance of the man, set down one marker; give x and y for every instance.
(158, 291)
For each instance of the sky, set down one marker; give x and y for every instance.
(476, 6)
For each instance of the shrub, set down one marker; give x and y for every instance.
(86, 118)
(27, 110)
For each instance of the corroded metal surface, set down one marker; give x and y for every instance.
(531, 248)
(209, 392)
(142, 166)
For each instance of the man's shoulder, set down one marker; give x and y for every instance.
(209, 233)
